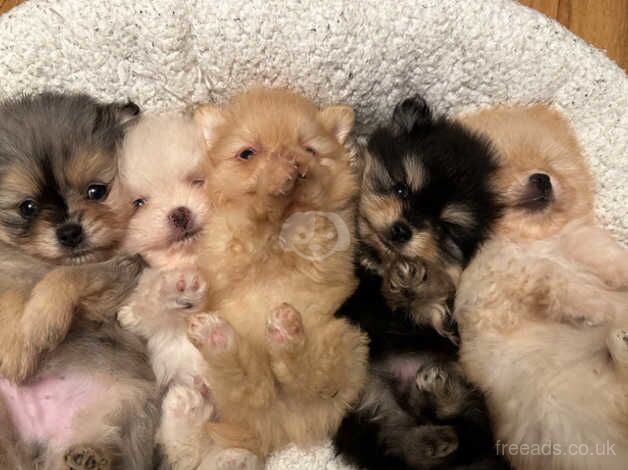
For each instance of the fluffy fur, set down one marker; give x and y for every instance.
(426, 195)
(425, 206)
(163, 181)
(60, 288)
(543, 308)
(277, 254)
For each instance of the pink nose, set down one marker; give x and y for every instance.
(181, 218)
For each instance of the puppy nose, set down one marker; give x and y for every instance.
(542, 182)
(400, 232)
(181, 218)
(70, 235)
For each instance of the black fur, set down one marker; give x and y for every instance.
(457, 167)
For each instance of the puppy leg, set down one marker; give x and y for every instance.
(424, 446)
(600, 253)
(182, 433)
(420, 446)
(118, 432)
(237, 374)
(445, 388)
(423, 290)
(329, 362)
(38, 322)
(162, 299)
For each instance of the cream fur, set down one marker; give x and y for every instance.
(162, 164)
(543, 308)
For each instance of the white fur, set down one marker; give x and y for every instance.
(162, 163)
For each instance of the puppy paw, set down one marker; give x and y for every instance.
(282, 180)
(183, 289)
(431, 379)
(441, 443)
(617, 343)
(284, 328)
(236, 459)
(84, 457)
(211, 333)
(184, 408)
(425, 445)
(405, 275)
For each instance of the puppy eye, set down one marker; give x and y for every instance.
(96, 191)
(401, 190)
(28, 208)
(246, 154)
(139, 203)
(198, 182)
(311, 151)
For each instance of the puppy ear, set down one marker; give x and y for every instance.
(209, 118)
(126, 111)
(409, 114)
(338, 120)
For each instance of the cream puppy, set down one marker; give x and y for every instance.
(162, 174)
(543, 308)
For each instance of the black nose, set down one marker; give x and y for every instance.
(70, 235)
(181, 218)
(400, 232)
(542, 182)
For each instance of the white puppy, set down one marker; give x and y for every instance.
(162, 175)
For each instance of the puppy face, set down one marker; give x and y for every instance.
(543, 175)
(426, 189)
(58, 176)
(163, 180)
(271, 149)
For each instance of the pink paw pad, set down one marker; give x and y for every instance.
(210, 330)
(183, 289)
(284, 324)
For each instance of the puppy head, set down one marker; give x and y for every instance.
(163, 181)
(271, 149)
(426, 189)
(58, 176)
(543, 176)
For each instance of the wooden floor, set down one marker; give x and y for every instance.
(603, 23)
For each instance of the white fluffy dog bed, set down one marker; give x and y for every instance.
(460, 55)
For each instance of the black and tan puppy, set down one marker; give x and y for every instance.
(76, 391)
(426, 204)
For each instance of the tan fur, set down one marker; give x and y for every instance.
(34, 323)
(286, 372)
(543, 308)
(544, 142)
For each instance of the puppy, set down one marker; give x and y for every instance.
(426, 195)
(426, 204)
(163, 180)
(60, 288)
(543, 308)
(277, 254)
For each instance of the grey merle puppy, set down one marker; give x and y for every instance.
(76, 390)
